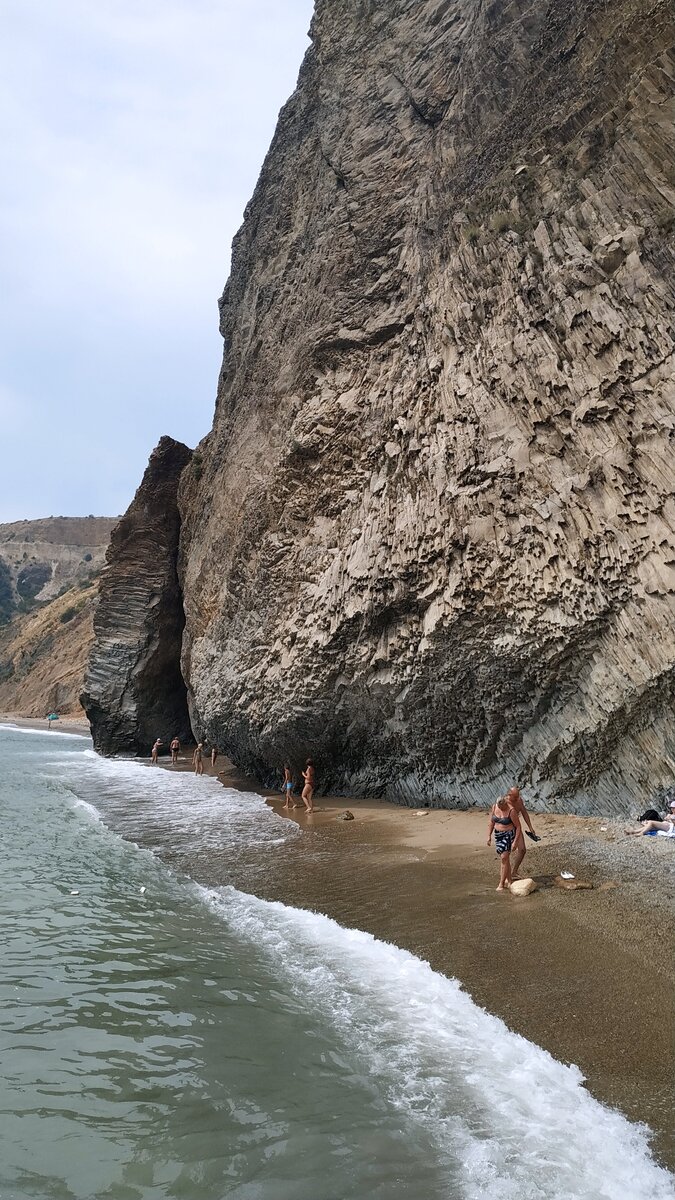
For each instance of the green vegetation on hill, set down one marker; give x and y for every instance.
(6, 594)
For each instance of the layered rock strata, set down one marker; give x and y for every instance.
(134, 691)
(41, 559)
(431, 536)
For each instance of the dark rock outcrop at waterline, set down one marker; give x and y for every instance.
(134, 690)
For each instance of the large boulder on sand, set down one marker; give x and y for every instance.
(523, 887)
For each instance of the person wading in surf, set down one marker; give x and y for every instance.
(175, 750)
(198, 759)
(505, 824)
(155, 751)
(288, 786)
(516, 801)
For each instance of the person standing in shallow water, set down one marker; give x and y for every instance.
(175, 750)
(505, 824)
(287, 786)
(310, 783)
(155, 751)
(214, 755)
(516, 801)
(198, 758)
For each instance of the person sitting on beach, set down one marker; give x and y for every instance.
(214, 755)
(287, 785)
(666, 827)
(310, 783)
(198, 758)
(175, 750)
(155, 751)
(519, 848)
(505, 824)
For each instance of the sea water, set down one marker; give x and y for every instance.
(159, 1039)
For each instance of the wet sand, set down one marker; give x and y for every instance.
(587, 974)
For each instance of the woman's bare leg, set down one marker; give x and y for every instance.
(647, 827)
(504, 872)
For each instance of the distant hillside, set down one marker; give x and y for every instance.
(43, 654)
(40, 559)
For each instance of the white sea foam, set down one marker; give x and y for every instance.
(182, 807)
(519, 1124)
(88, 808)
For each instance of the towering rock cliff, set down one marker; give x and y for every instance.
(431, 537)
(134, 691)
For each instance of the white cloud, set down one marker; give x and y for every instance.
(132, 135)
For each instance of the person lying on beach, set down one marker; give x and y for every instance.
(287, 786)
(505, 824)
(667, 828)
(310, 783)
(155, 751)
(175, 750)
(198, 758)
(519, 848)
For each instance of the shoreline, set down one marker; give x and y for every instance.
(64, 724)
(588, 974)
(567, 969)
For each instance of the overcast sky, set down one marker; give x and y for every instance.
(132, 133)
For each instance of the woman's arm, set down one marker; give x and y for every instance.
(490, 828)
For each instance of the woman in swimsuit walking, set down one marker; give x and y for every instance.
(505, 824)
(310, 783)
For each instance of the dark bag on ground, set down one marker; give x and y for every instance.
(650, 815)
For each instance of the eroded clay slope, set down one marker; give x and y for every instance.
(44, 655)
(430, 537)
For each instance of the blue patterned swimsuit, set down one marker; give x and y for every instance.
(504, 838)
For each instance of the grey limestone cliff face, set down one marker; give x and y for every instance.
(431, 537)
(134, 690)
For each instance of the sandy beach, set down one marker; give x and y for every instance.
(589, 973)
(586, 973)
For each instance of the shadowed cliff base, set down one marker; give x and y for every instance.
(134, 691)
(431, 537)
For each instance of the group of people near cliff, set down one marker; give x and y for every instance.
(505, 826)
(307, 794)
(175, 748)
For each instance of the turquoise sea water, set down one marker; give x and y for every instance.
(159, 1039)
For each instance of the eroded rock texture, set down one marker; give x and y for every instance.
(431, 535)
(134, 691)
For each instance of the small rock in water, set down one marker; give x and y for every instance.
(345, 816)
(523, 887)
(142, 891)
(74, 893)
